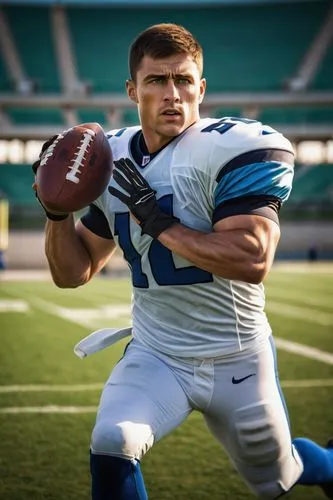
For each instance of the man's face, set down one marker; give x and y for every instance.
(168, 93)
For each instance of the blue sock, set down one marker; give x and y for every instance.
(115, 478)
(317, 462)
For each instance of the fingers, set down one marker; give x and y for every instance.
(128, 169)
(122, 181)
(118, 194)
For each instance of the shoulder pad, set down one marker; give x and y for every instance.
(212, 143)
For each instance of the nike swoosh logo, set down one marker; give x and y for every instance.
(239, 380)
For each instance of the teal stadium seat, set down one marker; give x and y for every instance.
(255, 47)
(324, 78)
(31, 30)
(296, 116)
(91, 115)
(313, 186)
(15, 185)
(36, 116)
(5, 83)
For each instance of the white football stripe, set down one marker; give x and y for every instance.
(303, 313)
(303, 350)
(50, 388)
(13, 306)
(308, 383)
(49, 409)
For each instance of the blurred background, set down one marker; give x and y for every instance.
(65, 62)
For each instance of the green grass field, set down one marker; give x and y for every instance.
(48, 396)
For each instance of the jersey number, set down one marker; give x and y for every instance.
(160, 258)
(225, 124)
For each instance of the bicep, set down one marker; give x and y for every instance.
(99, 249)
(253, 233)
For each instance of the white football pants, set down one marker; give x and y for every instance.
(149, 394)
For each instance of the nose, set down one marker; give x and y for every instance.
(171, 92)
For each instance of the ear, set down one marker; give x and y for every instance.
(131, 90)
(202, 89)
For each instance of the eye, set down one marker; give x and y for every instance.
(183, 80)
(158, 81)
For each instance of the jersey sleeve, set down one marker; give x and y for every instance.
(95, 220)
(256, 182)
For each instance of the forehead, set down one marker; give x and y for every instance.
(176, 64)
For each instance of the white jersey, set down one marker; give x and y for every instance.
(214, 169)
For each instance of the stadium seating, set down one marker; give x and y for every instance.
(313, 186)
(248, 48)
(15, 184)
(260, 54)
(31, 30)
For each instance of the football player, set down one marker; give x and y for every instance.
(194, 206)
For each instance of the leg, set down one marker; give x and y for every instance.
(250, 420)
(318, 464)
(141, 402)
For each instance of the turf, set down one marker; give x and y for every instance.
(45, 455)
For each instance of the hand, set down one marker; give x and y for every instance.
(46, 145)
(140, 199)
(50, 215)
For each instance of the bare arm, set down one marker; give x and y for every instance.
(241, 247)
(74, 253)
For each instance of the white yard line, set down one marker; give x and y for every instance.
(50, 388)
(306, 314)
(286, 384)
(302, 267)
(85, 317)
(307, 383)
(306, 300)
(303, 350)
(49, 409)
(7, 305)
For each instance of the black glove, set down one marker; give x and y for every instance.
(35, 165)
(46, 144)
(141, 199)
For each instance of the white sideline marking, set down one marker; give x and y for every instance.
(278, 293)
(286, 384)
(87, 317)
(50, 388)
(326, 382)
(303, 350)
(49, 409)
(311, 315)
(84, 317)
(306, 384)
(13, 306)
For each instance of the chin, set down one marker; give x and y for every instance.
(172, 130)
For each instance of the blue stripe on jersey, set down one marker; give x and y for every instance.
(256, 156)
(264, 178)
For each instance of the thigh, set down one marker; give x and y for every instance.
(249, 417)
(143, 395)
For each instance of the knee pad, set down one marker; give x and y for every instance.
(126, 440)
(258, 434)
(265, 457)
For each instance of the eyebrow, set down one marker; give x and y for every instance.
(167, 76)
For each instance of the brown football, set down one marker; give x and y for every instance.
(75, 169)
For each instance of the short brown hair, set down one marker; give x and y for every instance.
(163, 40)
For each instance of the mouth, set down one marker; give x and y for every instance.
(171, 113)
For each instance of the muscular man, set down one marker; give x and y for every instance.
(193, 204)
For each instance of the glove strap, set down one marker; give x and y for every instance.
(50, 215)
(55, 217)
(154, 226)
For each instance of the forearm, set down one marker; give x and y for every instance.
(68, 258)
(231, 254)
